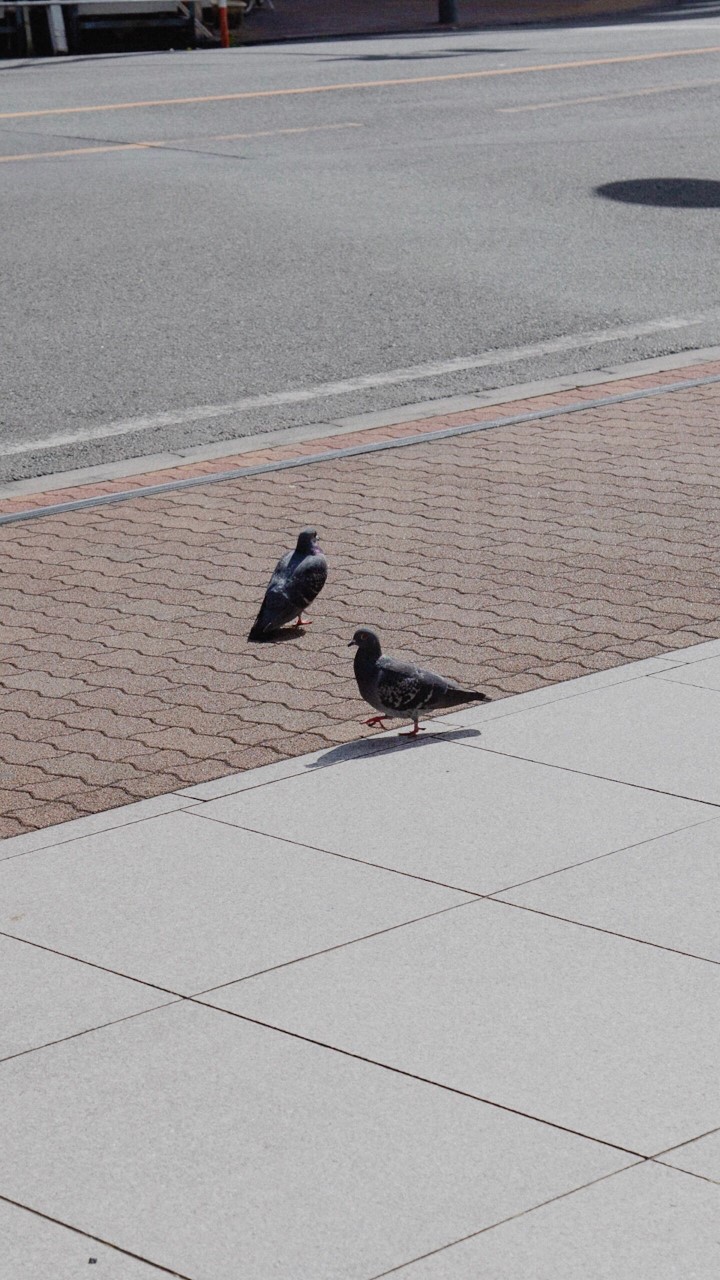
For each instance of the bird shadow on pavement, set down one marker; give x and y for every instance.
(279, 637)
(365, 748)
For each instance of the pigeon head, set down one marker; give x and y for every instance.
(367, 642)
(306, 544)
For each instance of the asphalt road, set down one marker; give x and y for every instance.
(424, 213)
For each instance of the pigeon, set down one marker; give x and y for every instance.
(298, 578)
(401, 689)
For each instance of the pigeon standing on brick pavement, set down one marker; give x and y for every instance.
(297, 579)
(400, 689)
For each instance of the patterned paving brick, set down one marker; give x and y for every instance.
(512, 558)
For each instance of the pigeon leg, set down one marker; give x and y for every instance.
(302, 622)
(375, 721)
(412, 733)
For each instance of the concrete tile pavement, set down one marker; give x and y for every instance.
(631, 719)
(567, 817)
(701, 1157)
(524, 1075)
(36, 1246)
(47, 994)
(627, 901)
(240, 904)
(218, 1148)
(643, 1222)
(537, 1015)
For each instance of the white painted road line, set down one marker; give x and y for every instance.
(366, 382)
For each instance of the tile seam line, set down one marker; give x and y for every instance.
(178, 996)
(118, 1248)
(474, 895)
(94, 964)
(474, 898)
(496, 894)
(598, 928)
(87, 1031)
(346, 857)
(58, 844)
(579, 693)
(412, 1075)
(338, 946)
(513, 1217)
(666, 678)
(601, 777)
(666, 1151)
(352, 451)
(690, 1173)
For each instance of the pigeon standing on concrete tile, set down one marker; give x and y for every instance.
(298, 578)
(401, 689)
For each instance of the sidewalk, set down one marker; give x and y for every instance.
(290, 19)
(429, 1009)
(513, 558)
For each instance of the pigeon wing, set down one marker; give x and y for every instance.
(275, 609)
(402, 686)
(290, 590)
(306, 582)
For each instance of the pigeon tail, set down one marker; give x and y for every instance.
(454, 697)
(265, 623)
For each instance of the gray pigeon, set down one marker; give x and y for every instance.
(401, 689)
(298, 578)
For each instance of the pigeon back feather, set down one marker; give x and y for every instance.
(295, 583)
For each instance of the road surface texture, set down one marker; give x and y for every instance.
(510, 558)
(197, 246)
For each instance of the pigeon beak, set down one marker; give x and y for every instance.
(350, 644)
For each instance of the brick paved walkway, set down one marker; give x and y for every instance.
(510, 558)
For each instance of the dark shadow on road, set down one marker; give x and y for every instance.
(366, 748)
(69, 60)
(664, 193)
(416, 57)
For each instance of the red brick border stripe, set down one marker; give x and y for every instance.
(370, 440)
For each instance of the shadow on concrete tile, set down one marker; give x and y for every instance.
(383, 746)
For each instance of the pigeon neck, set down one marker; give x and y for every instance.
(368, 654)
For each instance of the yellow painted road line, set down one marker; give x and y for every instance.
(74, 151)
(607, 97)
(262, 133)
(362, 84)
(169, 142)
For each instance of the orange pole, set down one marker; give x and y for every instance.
(224, 29)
